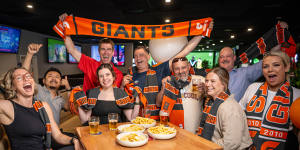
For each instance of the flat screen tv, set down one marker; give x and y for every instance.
(196, 59)
(9, 39)
(56, 51)
(119, 54)
(71, 58)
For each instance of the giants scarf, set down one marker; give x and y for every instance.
(88, 102)
(82, 26)
(209, 116)
(39, 107)
(270, 130)
(148, 95)
(273, 37)
(172, 101)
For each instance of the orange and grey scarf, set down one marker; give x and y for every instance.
(209, 117)
(270, 130)
(147, 95)
(172, 101)
(276, 35)
(39, 107)
(82, 26)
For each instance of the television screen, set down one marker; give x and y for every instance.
(9, 39)
(56, 51)
(71, 58)
(197, 58)
(119, 54)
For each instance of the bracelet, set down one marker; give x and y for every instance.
(72, 139)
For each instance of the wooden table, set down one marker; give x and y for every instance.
(107, 140)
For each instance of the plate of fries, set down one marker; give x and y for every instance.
(132, 139)
(145, 122)
(162, 132)
(131, 128)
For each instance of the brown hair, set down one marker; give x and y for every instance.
(107, 41)
(141, 47)
(109, 67)
(223, 75)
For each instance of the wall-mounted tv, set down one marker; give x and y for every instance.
(9, 39)
(71, 58)
(56, 51)
(119, 54)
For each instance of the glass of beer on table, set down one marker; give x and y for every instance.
(164, 118)
(94, 124)
(112, 121)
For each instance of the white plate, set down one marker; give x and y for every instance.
(121, 127)
(132, 144)
(163, 136)
(146, 125)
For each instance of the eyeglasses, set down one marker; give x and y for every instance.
(26, 76)
(178, 59)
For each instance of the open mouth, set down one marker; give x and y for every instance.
(27, 87)
(272, 77)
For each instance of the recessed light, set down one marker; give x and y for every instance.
(207, 46)
(141, 42)
(168, 1)
(232, 36)
(213, 44)
(29, 6)
(221, 41)
(167, 20)
(249, 29)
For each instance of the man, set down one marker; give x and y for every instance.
(180, 100)
(146, 79)
(240, 78)
(88, 65)
(52, 82)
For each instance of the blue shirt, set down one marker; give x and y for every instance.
(241, 78)
(162, 71)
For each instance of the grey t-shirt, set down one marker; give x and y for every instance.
(56, 104)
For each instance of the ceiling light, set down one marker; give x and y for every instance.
(221, 41)
(202, 48)
(213, 44)
(141, 42)
(249, 29)
(29, 6)
(167, 20)
(232, 36)
(167, 1)
(207, 46)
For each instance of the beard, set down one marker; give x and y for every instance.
(53, 87)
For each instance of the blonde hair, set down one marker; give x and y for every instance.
(7, 83)
(284, 58)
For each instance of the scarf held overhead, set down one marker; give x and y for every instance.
(82, 26)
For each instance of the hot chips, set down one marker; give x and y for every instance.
(132, 128)
(161, 130)
(141, 120)
(133, 137)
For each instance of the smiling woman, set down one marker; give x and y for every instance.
(21, 108)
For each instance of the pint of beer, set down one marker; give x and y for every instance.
(164, 118)
(112, 121)
(195, 83)
(94, 124)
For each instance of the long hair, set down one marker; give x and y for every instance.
(7, 83)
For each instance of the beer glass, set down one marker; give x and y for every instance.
(94, 124)
(195, 83)
(112, 121)
(164, 118)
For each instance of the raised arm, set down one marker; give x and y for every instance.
(32, 49)
(69, 43)
(190, 46)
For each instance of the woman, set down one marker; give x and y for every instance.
(223, 121)
(106, 99)
(29, 123)
(267, 104)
